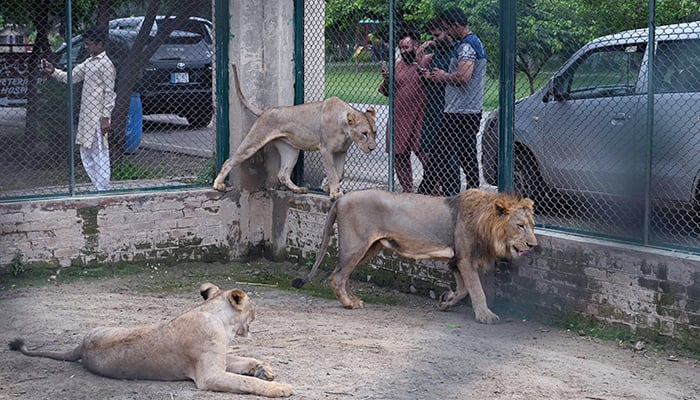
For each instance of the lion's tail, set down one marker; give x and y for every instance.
(327, 232)
(72, 355)
(247, 104)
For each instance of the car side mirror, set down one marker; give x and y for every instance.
(553, 93)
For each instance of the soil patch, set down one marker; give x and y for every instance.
(398, 347)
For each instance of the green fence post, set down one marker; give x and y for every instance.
(71, 105)
(390, 115)
(506, 96)
(651, 50)
(223, 37)
(298, 172)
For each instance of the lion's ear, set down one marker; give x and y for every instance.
(371, 111)
(352, 119)
(236, 297)
(207, 290)
(527, 203)
(501, 207)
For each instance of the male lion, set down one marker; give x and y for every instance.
(469, 230)
(192, 346)
(329, 126)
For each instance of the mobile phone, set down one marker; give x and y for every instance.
(385, 66)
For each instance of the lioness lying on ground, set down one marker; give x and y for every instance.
(329, 126)
(469, 230)
(192, 346)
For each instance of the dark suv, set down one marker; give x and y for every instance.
(178, 77)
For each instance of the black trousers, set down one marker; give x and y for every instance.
(456, 137)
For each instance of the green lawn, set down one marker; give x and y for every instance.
(358, 83)
(355, 83)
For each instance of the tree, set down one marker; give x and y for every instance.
(546, 28)
(44, 16)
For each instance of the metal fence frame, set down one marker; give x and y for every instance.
(506, 105)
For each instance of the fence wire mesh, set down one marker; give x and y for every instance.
(155, 92)
(589, 147)
(596, 152)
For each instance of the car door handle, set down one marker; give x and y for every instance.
(619, 119)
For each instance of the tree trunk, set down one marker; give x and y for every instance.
(41, 49)
(131, 72)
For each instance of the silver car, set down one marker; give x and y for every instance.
(585, 132)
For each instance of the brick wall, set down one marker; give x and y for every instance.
(654, 292)
(651, 291)
(170, 225)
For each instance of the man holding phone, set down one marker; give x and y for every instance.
(96, 104)
(409, 106)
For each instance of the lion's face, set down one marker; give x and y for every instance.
(244, 314)
(363, 130)
(517, 230)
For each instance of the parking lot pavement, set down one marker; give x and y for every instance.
(166, 132)
(12, 120)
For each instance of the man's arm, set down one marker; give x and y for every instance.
(109, 96)
(459, 77)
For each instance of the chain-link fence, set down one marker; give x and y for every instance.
(141, 117)
(589, 146)
(598, 153)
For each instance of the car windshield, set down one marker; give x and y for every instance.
(194, 25)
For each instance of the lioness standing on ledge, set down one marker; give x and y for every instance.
(469, 230)
(329, 126)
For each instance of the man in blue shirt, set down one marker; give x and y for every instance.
(464, 98)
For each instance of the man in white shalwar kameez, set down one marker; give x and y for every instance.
(96, 105)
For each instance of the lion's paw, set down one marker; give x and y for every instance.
(486, 316)
(357, 303)
(283, 390)
(220, 186)
(264, 371)
(336, 195)
(353, 304)
(445, 300)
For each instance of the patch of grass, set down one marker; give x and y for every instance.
(591, 327)
(355, 83)
(38, 275)
(623, 335)
(206, 175)
(17, 265)
(358, 83)
(124, 170)
(161, 278)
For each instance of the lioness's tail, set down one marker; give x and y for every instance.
(246, 103)
(72, 355)
(327, 231)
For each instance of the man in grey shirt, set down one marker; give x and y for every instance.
(464, 98)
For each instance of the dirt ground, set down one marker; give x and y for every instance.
(406, 350)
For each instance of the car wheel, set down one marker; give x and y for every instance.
(199, 118)
(489, 150)
(526, 179)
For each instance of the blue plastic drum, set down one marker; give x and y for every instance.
(134, 124)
